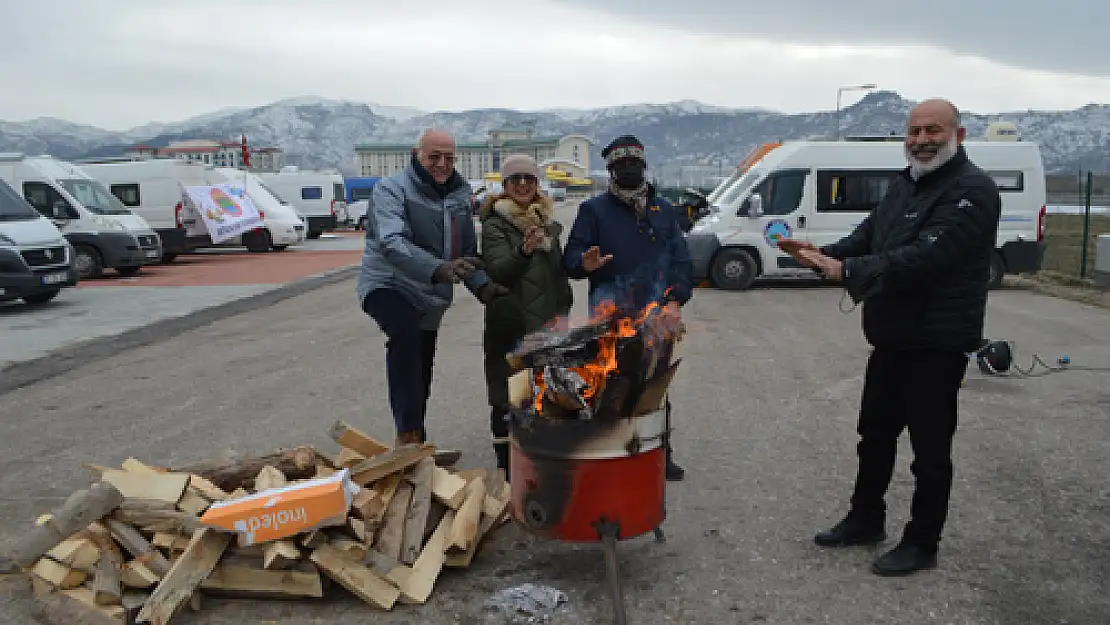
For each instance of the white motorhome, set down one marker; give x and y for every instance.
(152, 189)
(36, 262)
(319, 196)
(104, 233)
(819, 191)
(281, 225)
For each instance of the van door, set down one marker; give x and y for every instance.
(844, 199)
(783, 194)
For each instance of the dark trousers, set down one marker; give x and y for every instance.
(917, 390)
(409, 356)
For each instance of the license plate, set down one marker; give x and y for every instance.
(152, 253)
(54, 278)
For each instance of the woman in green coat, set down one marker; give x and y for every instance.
(522, 252)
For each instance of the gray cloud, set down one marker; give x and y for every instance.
(1060, 36)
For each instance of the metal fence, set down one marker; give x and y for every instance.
(1072, 228)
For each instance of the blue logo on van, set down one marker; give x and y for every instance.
(776, 230)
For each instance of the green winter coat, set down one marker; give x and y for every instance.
(539, 289)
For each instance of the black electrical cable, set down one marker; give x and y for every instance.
(1063, 363)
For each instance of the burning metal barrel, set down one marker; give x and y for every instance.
(588, 429)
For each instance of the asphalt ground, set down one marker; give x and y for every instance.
(765, 409)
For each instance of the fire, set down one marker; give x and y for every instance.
(595, 373)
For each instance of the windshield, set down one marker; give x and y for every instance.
(731, 196)
(725, 184)
(93, 196)
(277, 197)
(13, 207)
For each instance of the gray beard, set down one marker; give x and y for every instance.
(945, 154)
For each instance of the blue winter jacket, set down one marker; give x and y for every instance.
(650, 257)
(410, 232)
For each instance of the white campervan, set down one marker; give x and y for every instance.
(318, 196)
(281, 226)
(36, 261)
(152, 189)
(819, 191)
(103, 232)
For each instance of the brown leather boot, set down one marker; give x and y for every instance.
(409, 437)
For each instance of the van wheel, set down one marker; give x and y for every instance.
(734, 269)
(259, 241)
(88, 262)
(997, 270)
(41, 298)
(168, 258)
(280, 248)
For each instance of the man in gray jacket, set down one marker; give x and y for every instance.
(420, 242)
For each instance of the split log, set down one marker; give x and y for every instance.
(156, 516)
(364, 583)
(80, 509)
(139, 547)
(392, 531)
(465, 528)
(107, 586)
(192, 568)
(76, 607)
(242, 579)
(297, 463)
(417, 518)
(399, 459)
(355, 440)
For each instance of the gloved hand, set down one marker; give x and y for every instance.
(453, 271)
(491, 290)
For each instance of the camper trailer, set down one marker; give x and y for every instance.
(320, 197)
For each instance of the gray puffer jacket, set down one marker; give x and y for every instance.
(410, 231)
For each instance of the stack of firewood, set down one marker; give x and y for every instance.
(132, 548)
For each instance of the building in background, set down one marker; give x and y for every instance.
(216, 153)
(568, 153)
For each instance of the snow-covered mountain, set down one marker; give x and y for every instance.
(316, 131)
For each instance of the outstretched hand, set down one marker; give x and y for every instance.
(592, 260)
(804, 252)
(491, 290)
(454, 271)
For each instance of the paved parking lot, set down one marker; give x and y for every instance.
(765, 406)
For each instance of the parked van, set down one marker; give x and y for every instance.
(319, 197)
(281, 226)
(36, 262)
(103, 232)
(819, 191)
(151, 188)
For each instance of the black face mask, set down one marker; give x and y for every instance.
(628, 175)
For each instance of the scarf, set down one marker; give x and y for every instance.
(636, 198)
(537, 214)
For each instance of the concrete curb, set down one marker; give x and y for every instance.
(65, 359)
(1082, 296)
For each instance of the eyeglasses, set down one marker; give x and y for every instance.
(437, 157)
(522, 179)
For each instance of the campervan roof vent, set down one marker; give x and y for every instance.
(1002, 131)
(876, 138)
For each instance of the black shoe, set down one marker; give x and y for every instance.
(904, 560)
(675, 473)
(851, 532)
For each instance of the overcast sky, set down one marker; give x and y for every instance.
(122, 63)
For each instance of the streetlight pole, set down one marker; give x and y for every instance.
(839, 92)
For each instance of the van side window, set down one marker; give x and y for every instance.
(852, 191)
(43, 197)
(339, 192)
(1008, 181)
(782, 192)
(128, 194)
(312, 193)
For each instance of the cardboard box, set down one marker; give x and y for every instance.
(280, 512)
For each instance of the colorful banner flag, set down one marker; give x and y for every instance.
(226, 210)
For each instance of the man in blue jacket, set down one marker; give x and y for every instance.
(419, 239)
(629, 245)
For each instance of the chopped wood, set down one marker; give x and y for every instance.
(392, 532)
(76, 607)
(134, 464)
(80, 509)
(188, 571)
(465, 528)
(364, 583)
(156, 516)
(385, 566)
(297, 463)
(416, 585)
(107, 586)
(152, 485)
(280, 554)
(193, 502)
(170, 542)
(138, 546)
(377, 467)
(358, 528)
(269, 477)
(314, 539)
(135, 574)
(76, 553)
(417, 518)
(241, 579)
(58, 575)
(323, 470)
(490, 518)
(356, 441)
(133, 601)
(207, 489)
(348, 458)
(352, 548)
(448, 488)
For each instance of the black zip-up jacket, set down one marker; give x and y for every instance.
(921, 260)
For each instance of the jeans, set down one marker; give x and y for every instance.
(409, 356)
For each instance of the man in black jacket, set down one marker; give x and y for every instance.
(920, 264)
